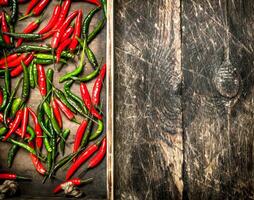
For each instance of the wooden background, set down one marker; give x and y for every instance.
(184, 99)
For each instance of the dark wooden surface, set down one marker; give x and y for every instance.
(184, 105)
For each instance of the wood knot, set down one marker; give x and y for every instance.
(227, 80)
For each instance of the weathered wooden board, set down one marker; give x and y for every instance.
(217, 62)
(148, 120)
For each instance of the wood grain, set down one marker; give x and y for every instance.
(217, 61)
(148, 120)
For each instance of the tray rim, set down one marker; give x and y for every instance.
(110, 99)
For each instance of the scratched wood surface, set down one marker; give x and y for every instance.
(148, 121)
(217, 62)
(22, 163)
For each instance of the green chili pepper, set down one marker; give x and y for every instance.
(31, 132)
(53, 143)
(61, 95)
(48, 57)
(35, 74)
(46, 143)
(65, 135)
(47, 62)
(14, 9)
(5, 99)
(30, 48)
(88, 77)
(55, 123)
(26, 83)
(17, 103)
(77, 71)
(3, 130)
(27, 36)
(98, 131)
(49, 161)
(11, 154)
(76, 106)
(96, 30)
(47, 108)
(8, 20)
(87, 134)
(40, 113)
(22, 145)
(87, 21)
(31, 75)
(7, 82)
(104, 3)
(49, 80)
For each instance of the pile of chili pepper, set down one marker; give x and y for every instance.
(24, 60)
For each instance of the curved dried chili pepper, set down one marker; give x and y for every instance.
(57, 113)
(60, 49)
(52, 21)
(79, 135)
(15, 124)
(42, 80)
(87, 100)
(97, 86)
(77, 31)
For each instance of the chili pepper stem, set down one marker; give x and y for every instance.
(75, 121)
(88, 180)
(25, 16)
(23, 178)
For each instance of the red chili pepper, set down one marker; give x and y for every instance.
(81, 159)
(19, 133)
(96, 2)
(37, 129)
(15, 62)
(29, 29)
(36, 162)
(52, 21)
(24, 122)
(57, 113)
(40, 7)
(87, 100)
(17, 71)
(5, 28)
(67, 33)
(31, 6)
(96, 160)
(11, 176)
(67, 112)
(74, 181)
(79, 135)
(64, 11)
(42, 80)
(2, 118)
(77, 31)
(14, 125)
(61, 47)
(57, 36)
(4, 2)
(9, 58)
(97, 86)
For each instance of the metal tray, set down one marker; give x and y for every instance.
(101, 187)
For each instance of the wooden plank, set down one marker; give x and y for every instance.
(148, 128)
(217, 52)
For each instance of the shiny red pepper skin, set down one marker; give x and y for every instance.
(40, 7)
(24, 122)
(96, 2)
(60, 49)
(1, 97)
(42, 80)
(57, 36)
(4, 2)
(17, 71)
(5, 28)
(15, 124)
(29, 29)
(9, 58)
(67, 112)
(67, 33)
(79, 135)
(87, 100)
(52, 21)
(96, 160)
(81, 159)
(15, 62)
(37, 129)
(74, 181)
(57, 113)
(31, 6)
(64, 11)
(36, 162)
(77, 31)
(19, 133)
(97, 86)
